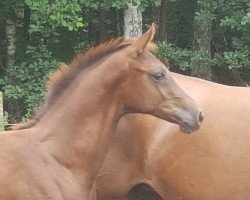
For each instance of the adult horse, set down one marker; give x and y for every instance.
(60, 156)
(212, 164)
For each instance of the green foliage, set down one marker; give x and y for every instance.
(184, 58)
(25, 83)
(180, 23)
(104, 4)
(205, 10)
(230, 34)
(238, 58)
(234, 18)
(146, 3)
(117, 4)
(176, 56)
(49, 15)
(236, 14)
(7, 7)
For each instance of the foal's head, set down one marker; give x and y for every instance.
(149, 87)
(143, 83)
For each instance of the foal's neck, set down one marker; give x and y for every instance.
(80, 124)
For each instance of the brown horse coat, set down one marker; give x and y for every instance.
(59, 153)
(212, 164)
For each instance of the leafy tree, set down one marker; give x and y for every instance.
(47, 16)
(26, 82)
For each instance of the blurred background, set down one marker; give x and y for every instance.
(209, 39)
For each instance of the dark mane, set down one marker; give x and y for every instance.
(63, 77)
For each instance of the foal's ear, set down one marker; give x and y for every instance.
(139, 46)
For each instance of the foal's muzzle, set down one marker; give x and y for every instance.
(191, 125)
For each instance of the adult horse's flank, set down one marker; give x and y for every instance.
(213, 164)
(59, 156)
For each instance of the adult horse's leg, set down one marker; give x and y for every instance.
(143, 191)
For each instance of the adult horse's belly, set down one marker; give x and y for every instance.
(212, 164)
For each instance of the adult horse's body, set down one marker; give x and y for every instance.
(59, 156)
(212, 164)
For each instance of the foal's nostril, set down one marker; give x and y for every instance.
(201, 117)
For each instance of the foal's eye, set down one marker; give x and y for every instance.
(158, 76)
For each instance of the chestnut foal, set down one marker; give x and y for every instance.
(58, 154)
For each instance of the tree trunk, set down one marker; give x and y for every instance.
(119, 23)
(26, 21)
(102, 26)
(1, 112)
(11, 35)
(132, 21)
(202, 43)
(155, 17)
(163, 20)
(156, 10)
(10, 28)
